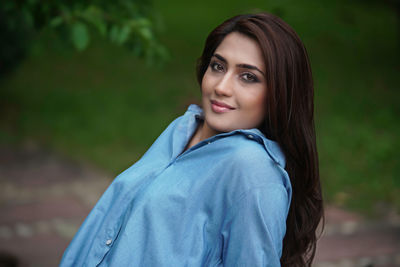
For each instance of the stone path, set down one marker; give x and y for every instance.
(350, 240)
(44, 198)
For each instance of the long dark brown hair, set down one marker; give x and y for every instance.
(289, 121)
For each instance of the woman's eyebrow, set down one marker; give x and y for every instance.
(220, 57)
(244, 66)
(247, 66)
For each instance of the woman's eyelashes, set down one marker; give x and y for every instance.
(246, 77)
(215, 66)
(249, 77)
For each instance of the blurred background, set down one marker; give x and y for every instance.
(86, 87)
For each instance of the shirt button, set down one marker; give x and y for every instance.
(208, 142)
(250, 136)
(108, 242)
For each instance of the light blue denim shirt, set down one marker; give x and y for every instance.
(223, 202)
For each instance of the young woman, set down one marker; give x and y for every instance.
(234, 183)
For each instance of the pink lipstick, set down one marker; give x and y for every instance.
(220, 107)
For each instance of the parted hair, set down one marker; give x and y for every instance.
(289, 120)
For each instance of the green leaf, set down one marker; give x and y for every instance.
(145, 33)
(123, 34)
(27, 17)
(114, 33)
(141, 22)
(57, 21)
(80, 36)
(32, 2)
(94, 15)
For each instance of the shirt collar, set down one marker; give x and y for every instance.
(272, 147)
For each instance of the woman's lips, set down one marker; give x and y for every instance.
(220, 107)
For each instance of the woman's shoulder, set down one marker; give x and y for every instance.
(257, 173)
(250, 146)
(255, 160)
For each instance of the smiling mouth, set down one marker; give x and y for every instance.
(220, 107)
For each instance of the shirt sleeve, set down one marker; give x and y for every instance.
(255, 227)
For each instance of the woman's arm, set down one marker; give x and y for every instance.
(255, 227)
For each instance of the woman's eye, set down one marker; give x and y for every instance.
(215, 66)
(249, 77)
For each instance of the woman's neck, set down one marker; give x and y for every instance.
(203, 132)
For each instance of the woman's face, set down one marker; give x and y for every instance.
(234, 86)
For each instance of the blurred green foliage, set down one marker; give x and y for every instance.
(123, 22)
(105, 106)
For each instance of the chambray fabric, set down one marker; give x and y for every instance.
(223, 202)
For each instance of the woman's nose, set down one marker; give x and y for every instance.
(224, 85)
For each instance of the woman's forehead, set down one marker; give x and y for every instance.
(238, 48)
